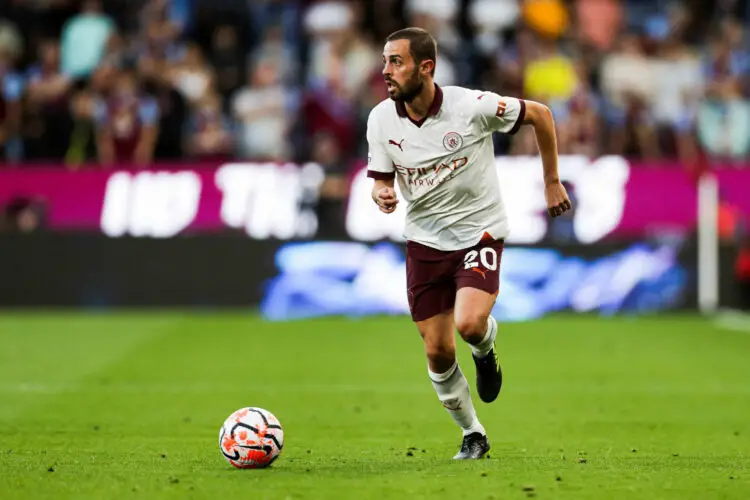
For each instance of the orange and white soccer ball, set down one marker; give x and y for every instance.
(251, 438)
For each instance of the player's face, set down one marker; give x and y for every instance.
(401, 72)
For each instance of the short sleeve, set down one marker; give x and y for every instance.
(12, 87)
(379, 164)
(149, 112)
(500, 114)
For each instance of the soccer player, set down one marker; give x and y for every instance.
(437, 142)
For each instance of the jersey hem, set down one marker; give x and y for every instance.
(458, 249)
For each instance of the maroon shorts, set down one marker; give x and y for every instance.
(433, 276)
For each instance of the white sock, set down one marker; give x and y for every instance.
(453, 391)
(483, 348)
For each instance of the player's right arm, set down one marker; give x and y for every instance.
(380, 168)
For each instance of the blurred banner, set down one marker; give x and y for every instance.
(613, 199)
(248, 235)
(301, 279)
(340, 278)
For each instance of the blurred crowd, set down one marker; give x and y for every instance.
(136, 81)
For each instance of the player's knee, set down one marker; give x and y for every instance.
(471, 327)
(441, 355)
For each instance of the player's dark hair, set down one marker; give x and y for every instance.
(422, 45)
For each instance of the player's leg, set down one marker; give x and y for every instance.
(478, 281)
(431, 297)
(439, 342)
(450, 383)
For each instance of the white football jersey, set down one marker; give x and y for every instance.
(445, 164)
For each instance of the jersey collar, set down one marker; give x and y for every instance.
(437, 102)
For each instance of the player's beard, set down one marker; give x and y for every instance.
(409, 90)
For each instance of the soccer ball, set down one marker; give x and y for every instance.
(251, 438)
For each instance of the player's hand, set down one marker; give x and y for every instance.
(386, 200)
(557, 198)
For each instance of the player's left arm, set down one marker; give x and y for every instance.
(507, 115)
(540, 117)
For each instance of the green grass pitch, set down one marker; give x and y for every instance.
(129, 406)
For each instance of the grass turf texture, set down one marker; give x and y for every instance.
(130, 405)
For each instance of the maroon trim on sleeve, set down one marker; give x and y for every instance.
(521, 117)
(381, 176)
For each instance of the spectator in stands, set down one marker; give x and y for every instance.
(192, 76)
(383, 18)
(119, 52)
(228, 60)
(341, 59)
(629, 87)
(548, 18)
(724, 114)
(126, 123)
(160, 50)
(277, 22)
(490, 18)
(209, 136)
(174, 15)
(11, 93)
(578, 120)
(316, 72)
(341, 62)
(551, 76)
(679, 85)
(82, 145)
(599, 22)
(10, 111)
(84, 39)
(11, 41)
(273, 46)
(161, 32)
(263, 112)
(439, 18)
(22, 215)
(48, 122)
(510, 63)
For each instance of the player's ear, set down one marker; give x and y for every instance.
(427, 67)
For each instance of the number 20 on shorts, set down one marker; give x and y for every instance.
(487, 256)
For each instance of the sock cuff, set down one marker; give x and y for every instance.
(483, 348)
(442, 377)
(491, 325)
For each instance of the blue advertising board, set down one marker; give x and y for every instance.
(348, 278)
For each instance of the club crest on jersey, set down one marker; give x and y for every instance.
(453, 141)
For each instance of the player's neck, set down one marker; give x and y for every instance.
(420, 106)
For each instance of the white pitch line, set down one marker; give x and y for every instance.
(734, 320)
